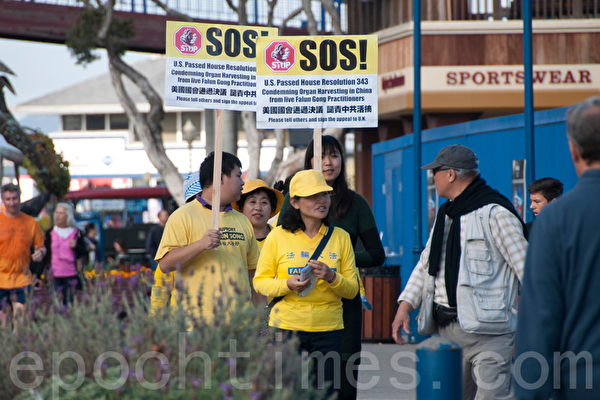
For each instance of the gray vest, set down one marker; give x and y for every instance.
(487, 289)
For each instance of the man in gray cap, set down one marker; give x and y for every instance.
(475, 256)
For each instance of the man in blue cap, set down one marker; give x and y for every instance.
(475, 254)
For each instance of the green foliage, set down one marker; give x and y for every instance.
(195, 362)
(57, 167)
(82, 40)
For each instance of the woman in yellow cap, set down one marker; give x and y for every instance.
(259, 203)
(351, 212)
(316, 316)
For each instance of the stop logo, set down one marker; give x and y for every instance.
(188, 40)
(280, 56)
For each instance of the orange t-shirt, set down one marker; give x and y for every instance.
(17, 236)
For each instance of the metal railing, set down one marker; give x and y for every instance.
(218, 10)
(366, 16)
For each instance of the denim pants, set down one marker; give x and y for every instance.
(67, 286)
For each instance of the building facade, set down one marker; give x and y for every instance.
(103, 148)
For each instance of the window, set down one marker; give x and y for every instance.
(119, 122)
(71, 122)
(94, 122)
(169, 127)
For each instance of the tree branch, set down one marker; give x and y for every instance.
(335, 17)
(311, 22)
(173, 13)
(240, 10)
(147, 128)
(287, 19)
(280, 140)
(271, 11)
(108, 12)
(156, 113)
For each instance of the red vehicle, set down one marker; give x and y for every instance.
(121, 213)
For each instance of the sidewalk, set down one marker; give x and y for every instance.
(387, 372)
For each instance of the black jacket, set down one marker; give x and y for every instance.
(80, 252)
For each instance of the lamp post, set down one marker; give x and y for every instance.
(190, 133)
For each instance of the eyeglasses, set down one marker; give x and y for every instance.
(438, 169)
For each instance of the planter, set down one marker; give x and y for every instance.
(382, 292)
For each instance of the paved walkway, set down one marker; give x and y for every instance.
(387, 372)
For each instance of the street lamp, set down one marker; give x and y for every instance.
(190, 133)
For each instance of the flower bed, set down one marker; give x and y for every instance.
(100, 347)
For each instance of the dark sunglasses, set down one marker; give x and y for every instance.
(438, 169)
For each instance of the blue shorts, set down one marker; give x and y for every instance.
(19, 294)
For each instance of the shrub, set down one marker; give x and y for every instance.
(105, 346)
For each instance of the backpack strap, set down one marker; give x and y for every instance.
(314, 256)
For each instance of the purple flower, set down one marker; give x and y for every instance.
(133, 281)
(164, 367)
(196, 383)
(226, 387)
(129, 352)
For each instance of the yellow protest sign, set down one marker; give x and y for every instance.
(212, 66)
(318, 82)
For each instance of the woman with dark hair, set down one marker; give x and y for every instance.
(94, 254)
(351, 212)
(315, 315)
(259, 203)
(121, 248)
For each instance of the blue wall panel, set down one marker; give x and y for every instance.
(496, 142)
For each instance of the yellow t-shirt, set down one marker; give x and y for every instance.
(17, 236)
(261, 242)
(284, 254)
(223, 271)
(164, 285)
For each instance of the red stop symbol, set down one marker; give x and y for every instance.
(280, 56)
(188, 40)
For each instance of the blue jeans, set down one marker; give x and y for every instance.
(67, 286)
(19, 293)
(326, 350)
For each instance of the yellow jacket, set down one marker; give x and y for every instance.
(284, 254)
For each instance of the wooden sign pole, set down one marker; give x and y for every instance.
(216, 198)
(318, 150)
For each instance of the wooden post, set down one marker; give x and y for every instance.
(216, 198)
(317, 147)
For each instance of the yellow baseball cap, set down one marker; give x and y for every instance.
(255, 184)
(308, 182)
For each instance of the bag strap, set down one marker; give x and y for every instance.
(314, 256)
